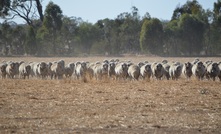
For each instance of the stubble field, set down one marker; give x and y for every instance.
(108, 106)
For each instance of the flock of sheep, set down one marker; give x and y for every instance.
(112, 69)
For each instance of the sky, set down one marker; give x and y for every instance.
(93, 10)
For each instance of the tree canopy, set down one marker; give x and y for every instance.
(28, 10)
(192, 31)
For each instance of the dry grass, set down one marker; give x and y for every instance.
(90, 106)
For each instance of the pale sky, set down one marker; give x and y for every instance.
(93, 10)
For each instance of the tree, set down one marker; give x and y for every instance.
(207, 18)
(131, 31)
(4, 4)
(217, 13)
(194, 26)
(29, 10)
(52, 25)
(87, 35)
(25, 9)
(146, 17)
(172, 38)
(192, 34)
(18, 39)
(215, 31)
(30, 44)
(126, 31)
(6, 38)
(190, 7)
(151, 37)
(44, 41)
(69, 32)
(109, 35)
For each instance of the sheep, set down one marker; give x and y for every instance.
(24, 70)
(42, 70)
(187, 70)
(90, 70)
(175, 71)
(80, 70)
(34, 69)
(146, 71)
(166, 68)
(140, 64)
(121, 70)
(219, 75)
(3, 70)
(69, 69)
(101, 70)
(57, 70)
(111, 69)
(199, 70)
(212, 71)
(11, 70)
(158, 70)
(134, 71)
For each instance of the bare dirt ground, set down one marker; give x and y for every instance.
(107, 106)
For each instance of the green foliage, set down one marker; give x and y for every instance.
(217, 13)
(151, 37)
(214, 46)
(192, 34)
(110, 34)
(191, 7)
(28, 10)
(30, 44)
(4, 7)
(68, 34)
(127, 29)
(18, 40)
(53, 17)
(87, 35)
(172, 39)
(51, 27)
(44, 39)
(6, 38)
(98, 48)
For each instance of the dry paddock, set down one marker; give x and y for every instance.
(107, 106)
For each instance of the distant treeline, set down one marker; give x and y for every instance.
(192, 31)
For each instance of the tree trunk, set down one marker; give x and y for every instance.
(39, 7)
